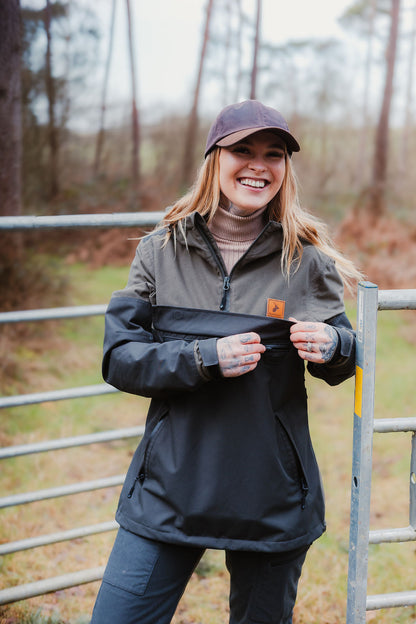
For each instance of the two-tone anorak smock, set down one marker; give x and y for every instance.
(224, 463)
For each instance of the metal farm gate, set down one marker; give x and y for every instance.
(369, 301)
(29, 590)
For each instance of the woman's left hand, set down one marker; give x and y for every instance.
(315, 342)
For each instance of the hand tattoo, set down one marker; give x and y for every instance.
(328, 349)
(245, 339)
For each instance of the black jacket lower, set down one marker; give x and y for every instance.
(226, 463)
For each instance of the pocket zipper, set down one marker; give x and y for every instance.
(277, 347)
(304, 487)
(140, 477)
(142, 474)
(305, 491)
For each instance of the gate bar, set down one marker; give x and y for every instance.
(384, 536)
(119, 219)
(64, 490)
(392, 425)
(46, 314)
(38, 588)
(60, 536)
(386, 601)
(397, 299)
(64, 443)
(57, 395)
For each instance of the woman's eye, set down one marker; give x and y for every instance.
(278, 154)
(241, 150)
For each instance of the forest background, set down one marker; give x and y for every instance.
(349, 98)
(67, 146)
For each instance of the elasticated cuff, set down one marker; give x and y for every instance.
(206, 358)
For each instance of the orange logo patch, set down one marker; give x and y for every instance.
(275, 308)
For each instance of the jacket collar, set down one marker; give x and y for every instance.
(195, 234)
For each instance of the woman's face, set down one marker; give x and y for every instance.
(252, 171)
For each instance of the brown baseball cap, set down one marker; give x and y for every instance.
(237, 121)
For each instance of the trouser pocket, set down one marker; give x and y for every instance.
(144, 581)
(131, 562)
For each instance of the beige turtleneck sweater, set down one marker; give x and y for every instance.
(234, 234)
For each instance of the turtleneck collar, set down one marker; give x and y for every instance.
(230, 227)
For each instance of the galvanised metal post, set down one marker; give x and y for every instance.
(412, 510)
(367, 303)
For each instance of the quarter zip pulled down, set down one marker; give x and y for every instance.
(225, 289)
(205, 233)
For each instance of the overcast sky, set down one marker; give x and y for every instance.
(168, 40)
(168, 36)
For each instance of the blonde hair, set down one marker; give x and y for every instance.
(298, 224)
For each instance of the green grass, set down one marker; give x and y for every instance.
(73, 358)
(95, 286)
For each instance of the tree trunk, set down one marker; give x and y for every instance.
(53, 139)
(378, 186)
(409, 96)
(253, 89)
(135, 159)
(364, 134)
(227, 50)
(239, 49)
(10, 111)
(100, 137)
(191, 135)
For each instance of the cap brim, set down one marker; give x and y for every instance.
(234, 137)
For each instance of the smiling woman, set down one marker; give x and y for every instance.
(252, 172)
(225, 300)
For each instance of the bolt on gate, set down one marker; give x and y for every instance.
(369, 301)
(29, 590)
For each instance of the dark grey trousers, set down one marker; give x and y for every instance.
(144, 581)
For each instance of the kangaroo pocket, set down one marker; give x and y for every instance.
(221, 464)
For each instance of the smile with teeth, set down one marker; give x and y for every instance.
(253, 183)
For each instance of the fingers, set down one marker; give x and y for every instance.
(315, 342)
(239, 354)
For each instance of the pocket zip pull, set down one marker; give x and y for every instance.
(305, 490)
(140, 477)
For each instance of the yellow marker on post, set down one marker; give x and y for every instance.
(358, 390)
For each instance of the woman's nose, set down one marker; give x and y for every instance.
(257, 164)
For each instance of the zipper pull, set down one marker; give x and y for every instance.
(305, 490)
(140, 477)
(225, 289)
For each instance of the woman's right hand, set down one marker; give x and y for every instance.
(239, 354)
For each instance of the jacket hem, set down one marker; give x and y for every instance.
(221, 543)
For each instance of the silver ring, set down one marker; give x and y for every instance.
(309, 347)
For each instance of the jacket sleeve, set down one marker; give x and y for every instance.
(342, 364)
(133, 361)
